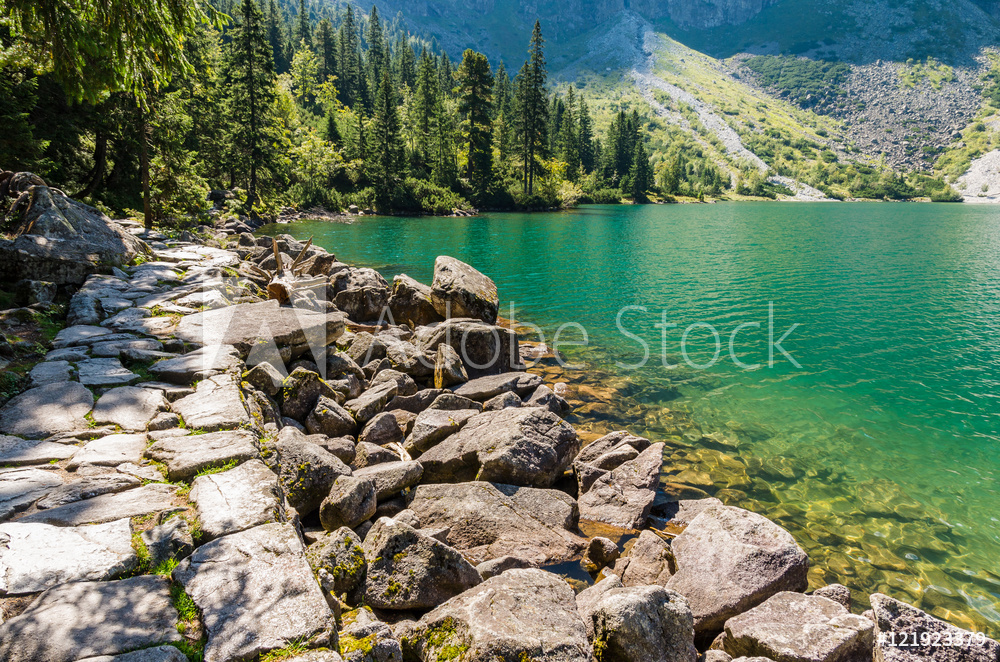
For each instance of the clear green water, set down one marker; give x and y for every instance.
(880, 454)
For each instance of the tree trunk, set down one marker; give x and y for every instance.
(147, 212)
(100, 163)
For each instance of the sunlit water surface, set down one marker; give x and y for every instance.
(880, 454)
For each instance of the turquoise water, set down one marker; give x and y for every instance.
(879, 453)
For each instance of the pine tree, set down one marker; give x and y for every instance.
(276, 37)
(302, 29)
(378, 52)
(446, 76)
(532, 111)
(426, 97)
(503, 92)
(405, 64)
(585, 138)
(569, 138)
(475, 84)
(353, 86)
(640, 175)
(250, 82)
(326, 49)
(387, 156)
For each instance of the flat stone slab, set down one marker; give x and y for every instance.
(35, 557)
(20, 452)
(237, 499)
(243, 325)
(115, 348)
(47, 410)
(89, 487)
(110, 451)
(433, 425)
(158, 654)
(71, 354)
(199, 364)
(105, 372)
(897, 622)
(50, 372)
(129, 407)
(109, 507)
(87, 619)
(256, 593)
(484, 388)
(19, 488)
(77, 335)
(186, 456)
(215, 405)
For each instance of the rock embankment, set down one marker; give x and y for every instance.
(199, 468)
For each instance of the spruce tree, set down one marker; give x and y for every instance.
(405, 65)
(276, 37)
(425, 99)
(302, 30)
(532, 111)
(326, 49)
(475, 84)
(250, 82)
(446, 76)
(377, 63)
(569, 138)
(352, 85)
(585, 137)
(386, 148)
(640, 175)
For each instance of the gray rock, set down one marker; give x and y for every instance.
(406, 516)
(369, 455)
(110, 451)
(105, 372)
(338, 559)
(109, 507)
(29, 292)
(339, 366)
(495, 567)
(116, 348)
(624, 497)
(186, 456)
(391, 478)
(503, 401)
(293, 330)
(521, 614)
(215, 405)
(266, 378)
(365, 348)
(84, 310)
(330, 419)
(300, 392)
(488, 521)
(794, 627)
(588, 599)
(165, 420)
(238, 499)
(674, 514)
(362, 293)
(50, 372)
(610, 442)
(485, 349)
(71, 354)
(35, 557)
(484, 388)
(87, 619)
(169, 540)
(408, 570)
(644, 624)
(19, 488)
(448, 401)
(366, 639)
(381, 430)
(371, 402)
(410, 302)
(79, 334)
(543, 396)
(895, 620)
(158, 654)
(448, 367)
(530, 447)
(717, 656)
(601, 552)
(836, 592)
(435, 425)
(340, 447)
(404, 383)
(47, 410)
(197, 365)
(306, 471)
(458, 290)
(414, 403)
(87, 487)
(20, 452)
(649, 561)
(350, 502)
(129, 407)
(256, 593)
(730, 560)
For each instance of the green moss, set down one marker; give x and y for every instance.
(217, 468)
(443, 638)
(142, 555)
(294, 647)
(349, 644)
(187, 610)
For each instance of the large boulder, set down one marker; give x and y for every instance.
(431, 426)
(338, 559)
(367, 639)
(524, 446)
(792, 627)
(305, 470)
(410, 302)
(488, 521)
(351, 501)
(485, 349)
(409, 570)
(623, 497)
(730, 560)
(300, 391)
(485, 388)
(519, 615)
(458, 290)
(391, 478)
(216, 404)
(256, 593)
(362, 293)
(904, 633)
(330, 419)
(643, 624)
(63, 241)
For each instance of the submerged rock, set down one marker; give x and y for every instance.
(895, 620)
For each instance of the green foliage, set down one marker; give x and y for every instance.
(217, 468)
(476, 103)
(915, 72)
(806, 83)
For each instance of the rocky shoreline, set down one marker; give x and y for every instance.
(228, 454)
